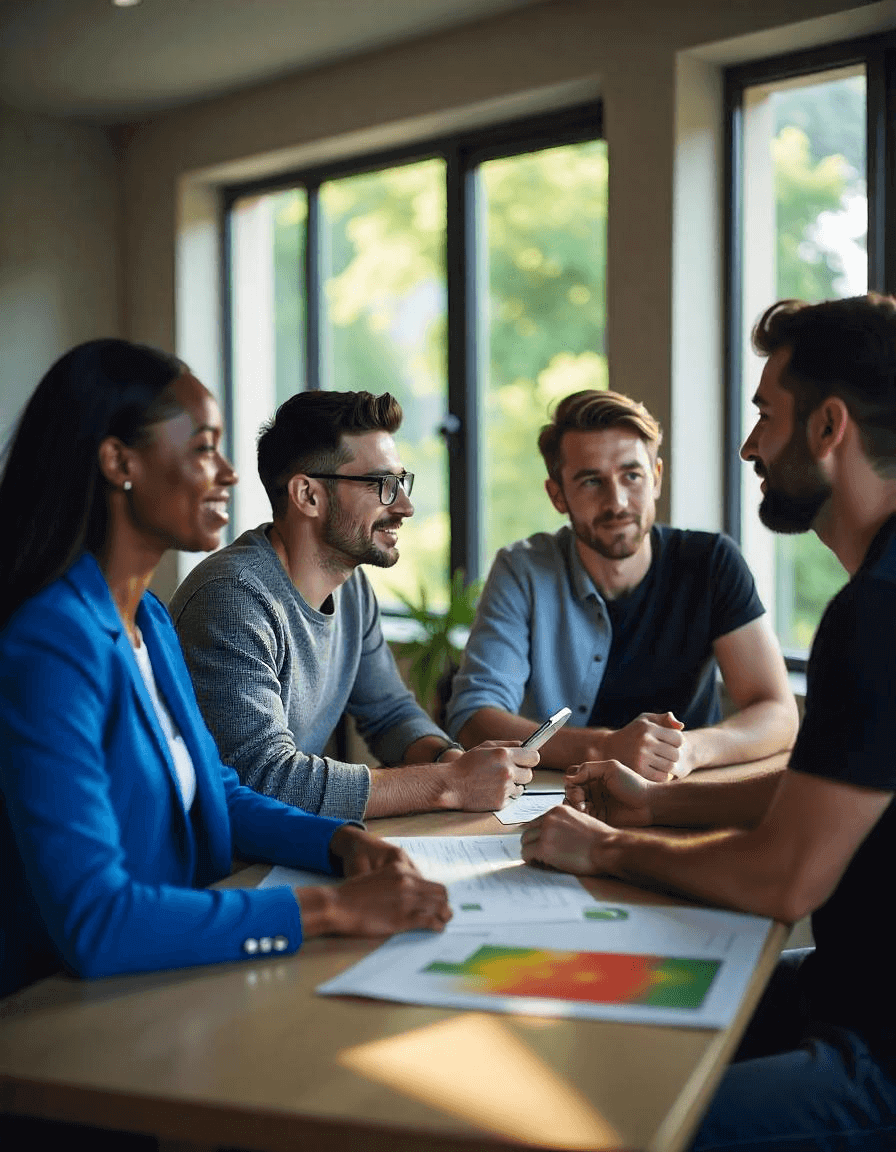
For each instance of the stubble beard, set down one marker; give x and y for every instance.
(348, 541)
(621, 546)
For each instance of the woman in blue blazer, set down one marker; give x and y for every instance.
(115, 809)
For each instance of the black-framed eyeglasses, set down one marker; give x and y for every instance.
(389, 483)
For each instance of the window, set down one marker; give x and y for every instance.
(808, 220)
(465, 276)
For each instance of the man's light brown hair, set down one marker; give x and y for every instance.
(595, 411)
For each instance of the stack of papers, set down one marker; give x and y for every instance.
(528, 940)
(633, 963)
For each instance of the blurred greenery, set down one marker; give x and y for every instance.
(384, 278)
(543, 316)
(545, 221)
(819, 157)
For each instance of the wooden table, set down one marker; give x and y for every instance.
(246, 1055)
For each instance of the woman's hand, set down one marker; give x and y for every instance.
(395, 898)
(360, 851)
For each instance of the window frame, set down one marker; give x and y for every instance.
(878, 55)
(462, 153)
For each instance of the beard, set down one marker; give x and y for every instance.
(783, 512)
(625, 541)
(351, 541)
(795, 488)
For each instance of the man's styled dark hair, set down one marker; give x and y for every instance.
(305, 435)
(594, 411)
(844, 348)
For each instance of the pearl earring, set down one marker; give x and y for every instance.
(127, 486)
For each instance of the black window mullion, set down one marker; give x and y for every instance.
(732, 476)
(881, 176)
(461, 427)
(225, 253)
(889, 113)
(313, 288)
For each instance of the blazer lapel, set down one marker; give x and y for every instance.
(91, 585)
(173, 682)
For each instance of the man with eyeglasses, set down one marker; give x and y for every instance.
(281, 629)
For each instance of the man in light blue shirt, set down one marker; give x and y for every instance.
(622, 620)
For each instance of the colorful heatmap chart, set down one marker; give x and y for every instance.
(592, 977)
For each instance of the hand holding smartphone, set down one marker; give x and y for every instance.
(547, 730)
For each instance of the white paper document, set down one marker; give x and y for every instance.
(627, 962)
(280, 875)
(529, 805)
(487, 881)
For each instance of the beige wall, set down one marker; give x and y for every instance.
(60, 250)
(656, 65)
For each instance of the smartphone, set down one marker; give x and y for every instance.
(547, 730)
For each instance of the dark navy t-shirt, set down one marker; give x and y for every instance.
(698, 588)
(847, 735)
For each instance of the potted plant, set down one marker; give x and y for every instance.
(432, 658)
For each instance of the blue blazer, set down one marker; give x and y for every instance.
(102, 870)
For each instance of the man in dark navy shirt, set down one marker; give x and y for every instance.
(624, 621)
(818, 1066)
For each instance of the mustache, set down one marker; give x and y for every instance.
(760, 469)
(612, 518)
(389, 522)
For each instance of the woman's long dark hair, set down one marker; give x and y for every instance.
(53, 495)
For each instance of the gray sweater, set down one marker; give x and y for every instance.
(273, 677)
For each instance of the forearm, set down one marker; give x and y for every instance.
(408, 788)
(494, 724)
(696, 803)
(785, 867)
(758, 730)
(427, 748)
(729, 868)
(480, 780)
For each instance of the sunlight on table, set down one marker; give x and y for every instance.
(475, 1068)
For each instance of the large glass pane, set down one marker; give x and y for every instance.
(267, 283)
(804, 236)
(383, 330)
(544, 216)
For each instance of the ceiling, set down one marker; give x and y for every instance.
(92, 60)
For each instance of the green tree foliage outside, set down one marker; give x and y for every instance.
(545, 220)
(819, 157)
(543, 281)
